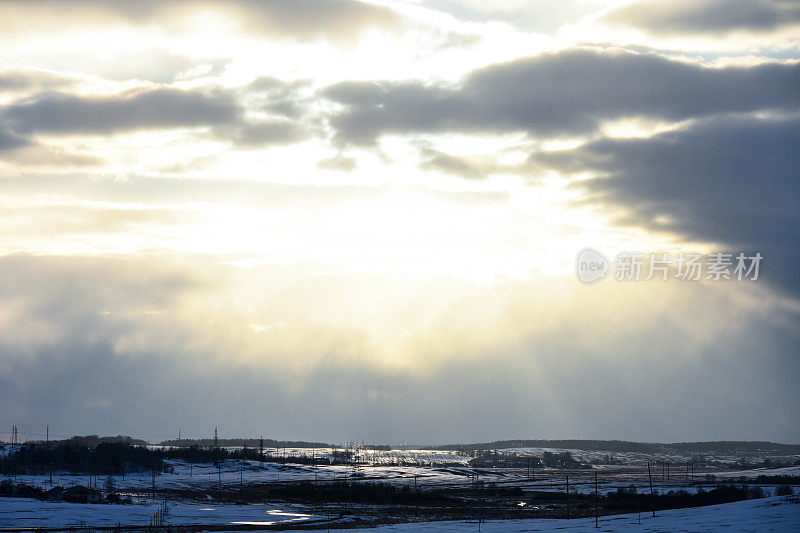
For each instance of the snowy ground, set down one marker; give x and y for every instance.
(765, 515)
(28, 512)
(441, 470)
(206, 476)
(755, 472)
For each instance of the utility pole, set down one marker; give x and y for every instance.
(596, 516)
(217, 458)
(480, 506)
(48, 435)
(261, 449)
(639, 510)
(650, 477)
(567, 496)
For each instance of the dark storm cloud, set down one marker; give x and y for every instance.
(710, 16)
(60, 113)
(294, 19)
(26, 80)
(9, 141)
(22, 151)
(732, 180)
(564, 93)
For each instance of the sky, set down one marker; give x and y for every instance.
(344, 220)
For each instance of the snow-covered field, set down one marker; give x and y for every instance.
(433, 469)
(776, 514)
(755, 472)
(764, 515)
(28, 512)
(184, 475)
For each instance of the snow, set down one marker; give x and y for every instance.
(35, 513)
(776, 514)
(755, 472)
(205, 476)
(202, 477)
(764, 515)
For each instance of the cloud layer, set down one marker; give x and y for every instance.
(567, 93)
(293, 19)
(65, 114)
(729, 180)
(708, 17)
(144, 349)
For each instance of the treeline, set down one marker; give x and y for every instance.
(711, 447)
(92, 441)
(493, 459)
(629, 500)
(736, 447)
(196, 454)
(102, 458)
(239, 443)
(119, 457)
(256, 443)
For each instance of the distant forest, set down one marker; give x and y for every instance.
(255, 443)
(239, 443)
(712, 447)
(118, 456)
(92, 441)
